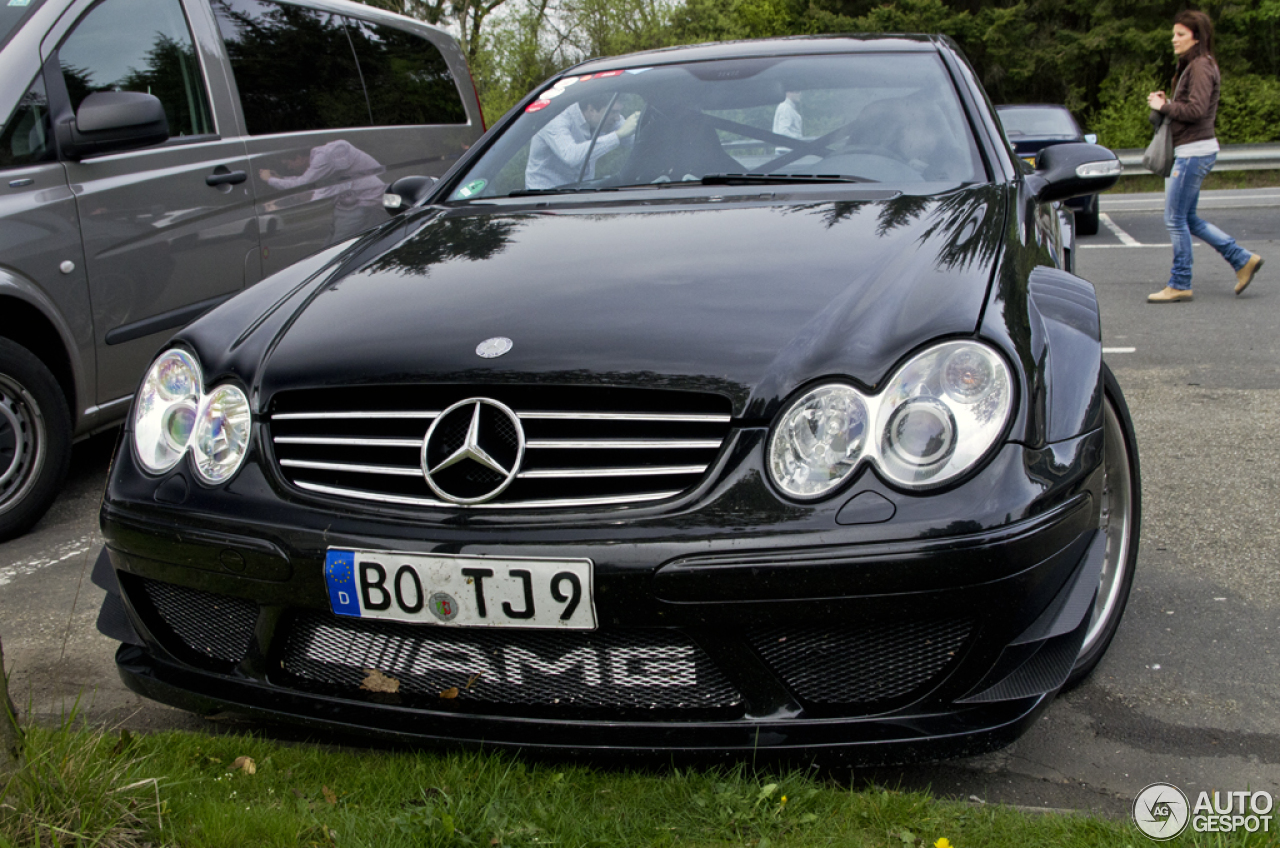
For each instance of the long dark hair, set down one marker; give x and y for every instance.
(1202, 31)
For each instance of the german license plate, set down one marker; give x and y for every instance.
(461, 591)
(1030, 160)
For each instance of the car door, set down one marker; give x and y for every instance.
(168, 231)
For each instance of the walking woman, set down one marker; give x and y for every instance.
(1193, 109)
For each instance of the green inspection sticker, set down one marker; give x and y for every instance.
(470, 189)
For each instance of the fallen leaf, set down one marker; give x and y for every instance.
(450, 693)
(329, 795)
(376, 681)
(245, 763)
(471, 680)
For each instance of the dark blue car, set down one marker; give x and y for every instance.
(1031, 127)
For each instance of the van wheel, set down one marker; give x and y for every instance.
(1121, 517)
(35, 439)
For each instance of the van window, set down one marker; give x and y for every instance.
(294, 67)
(25, 139)
(406, 76)
(112, 50)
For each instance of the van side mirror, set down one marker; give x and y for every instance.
(406, 192)
(112, 121)
(1072, 170)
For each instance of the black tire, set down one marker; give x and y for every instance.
(35, 439)
(1121, 520)
(1087, 218)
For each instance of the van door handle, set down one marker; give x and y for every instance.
(223, 176)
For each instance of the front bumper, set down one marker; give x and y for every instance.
(723, 628)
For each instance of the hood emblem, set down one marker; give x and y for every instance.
(494, 347)
(472, 451)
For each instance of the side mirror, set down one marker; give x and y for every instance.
(1073, 170)
(112, 121)
(406, 192)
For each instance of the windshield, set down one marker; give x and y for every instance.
(12, 14)
(1038, 122)
(886, 118)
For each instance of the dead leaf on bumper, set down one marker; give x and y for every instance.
(376, 681)
(450, 693)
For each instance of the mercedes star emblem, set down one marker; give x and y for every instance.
(494, 347)
(472, 451)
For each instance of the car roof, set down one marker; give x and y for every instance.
(1004, 107)
(791, 46)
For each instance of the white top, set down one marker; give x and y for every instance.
(1196, 148)
(786, 120)
(558, 150)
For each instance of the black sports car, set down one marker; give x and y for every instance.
(1031, 127)
(723, 398)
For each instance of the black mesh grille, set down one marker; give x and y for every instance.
(584, 446)
(643, 669)
(860, 665)
(213, 626)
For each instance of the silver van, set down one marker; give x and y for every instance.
(159, 156)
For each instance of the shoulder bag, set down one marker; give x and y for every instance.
(1158, 157)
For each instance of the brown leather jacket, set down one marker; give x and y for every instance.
(1194, 106)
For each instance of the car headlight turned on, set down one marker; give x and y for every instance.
(937, 417)
(173, 415)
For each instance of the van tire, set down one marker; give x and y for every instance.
(35, 439)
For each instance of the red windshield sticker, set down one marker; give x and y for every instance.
(537, 105)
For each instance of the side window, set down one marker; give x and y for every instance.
(139, 45)
(294, 67)
(406, 76)
(25, 139)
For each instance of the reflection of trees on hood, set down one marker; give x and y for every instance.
(471, 237)
(834, 213)
(961, 220)
(901, 210)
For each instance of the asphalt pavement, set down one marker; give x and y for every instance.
(1185, 695)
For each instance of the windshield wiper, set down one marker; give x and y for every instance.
(747, 179)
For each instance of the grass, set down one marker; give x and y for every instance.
(88, 787)
(1215, 180)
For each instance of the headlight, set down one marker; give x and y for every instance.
(819, 441)
(937, 417)
(173, 415)
(941, 412)
(165, 414)
(221, 434)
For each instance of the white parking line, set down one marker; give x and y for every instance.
(61, 553)
(1125, 239)
(1119, 350)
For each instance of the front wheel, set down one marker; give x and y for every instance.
(1121, 517)
(35, 439)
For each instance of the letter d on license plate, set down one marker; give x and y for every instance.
(461, 591)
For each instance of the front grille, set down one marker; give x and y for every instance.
(214, 626)
(863, 665)
(583, 446)
(650, 669)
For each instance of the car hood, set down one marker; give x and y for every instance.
(746, 295)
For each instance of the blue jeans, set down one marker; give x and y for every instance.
(1181, 193)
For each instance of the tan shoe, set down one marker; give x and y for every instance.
(1245, 275)
(1168, 294)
